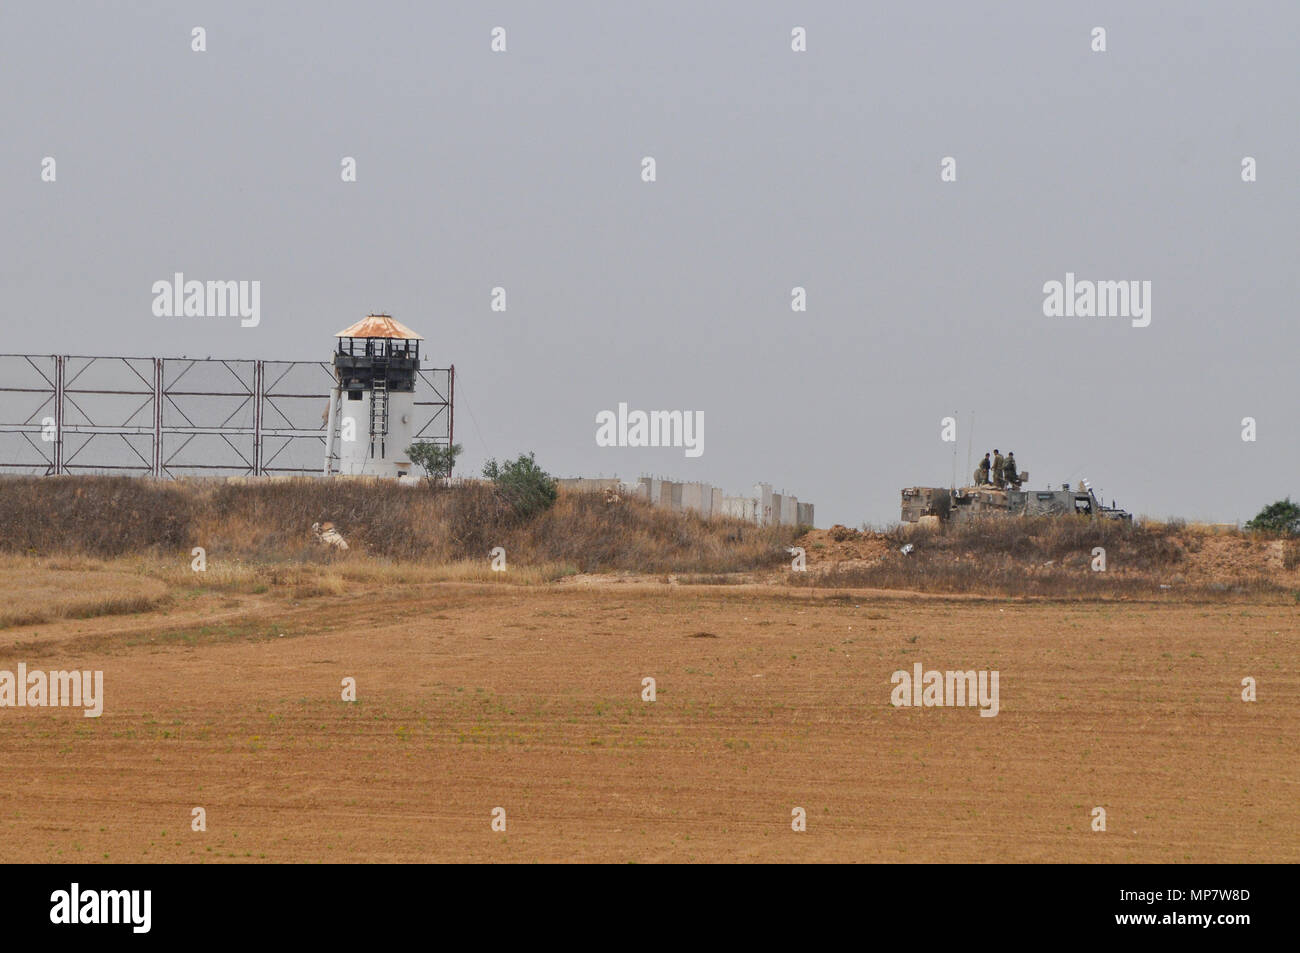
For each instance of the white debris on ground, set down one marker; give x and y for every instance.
(327, 535)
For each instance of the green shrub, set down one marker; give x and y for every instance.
(524, 485)
(1280, 517)
(434, 459)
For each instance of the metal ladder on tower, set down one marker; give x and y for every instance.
(378, 414)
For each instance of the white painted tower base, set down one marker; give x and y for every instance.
(385, 455)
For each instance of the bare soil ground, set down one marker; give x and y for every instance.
(477, 695)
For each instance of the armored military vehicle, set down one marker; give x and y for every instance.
(977, 502)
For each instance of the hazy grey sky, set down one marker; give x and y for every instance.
(775, 169)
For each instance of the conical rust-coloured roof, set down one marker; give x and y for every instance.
(380, 326)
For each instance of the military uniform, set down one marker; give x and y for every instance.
(982, 472)
(1009, 470)
(998, 465)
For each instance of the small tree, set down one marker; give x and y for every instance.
(1280, 517)
(526, 486)
(436, 460)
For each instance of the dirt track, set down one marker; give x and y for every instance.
(472, 697)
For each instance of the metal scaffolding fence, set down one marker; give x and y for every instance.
(171, 417)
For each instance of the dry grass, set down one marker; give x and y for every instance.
(1001, 576)
(39, 591)
(257, 540)
(93, 516)
(1291, 554)
(1142, 544)
(305, 579)
(269, 522)
(1045, 557)
(582, 531)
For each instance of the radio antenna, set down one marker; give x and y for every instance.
(970, 440)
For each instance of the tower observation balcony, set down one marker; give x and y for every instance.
(377, 353)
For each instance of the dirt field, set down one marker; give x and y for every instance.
(472, 696)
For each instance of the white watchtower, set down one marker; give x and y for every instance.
(372, 405)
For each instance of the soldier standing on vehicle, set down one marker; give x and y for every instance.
(998, 465)
(1009, 470)
(982, 473)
